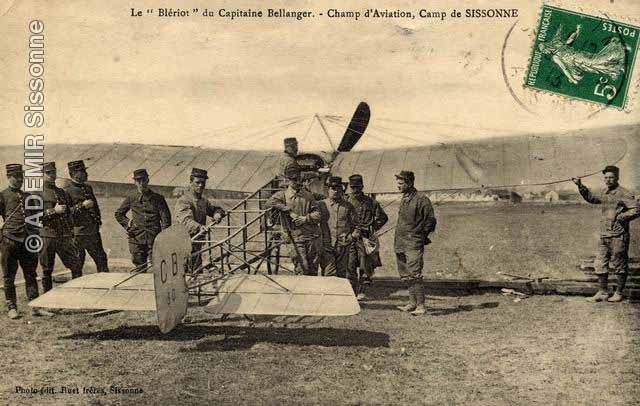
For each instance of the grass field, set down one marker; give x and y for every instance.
(472, 241)
(477, 349)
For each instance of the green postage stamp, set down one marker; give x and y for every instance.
(582, 56)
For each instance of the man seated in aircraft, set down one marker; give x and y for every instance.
(288, 158)
(299, 217)
(192, 209)
(619, 208)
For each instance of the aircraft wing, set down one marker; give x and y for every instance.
(504, 162)
(232, 170)
(108, 291)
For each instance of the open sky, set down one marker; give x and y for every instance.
(110, 77)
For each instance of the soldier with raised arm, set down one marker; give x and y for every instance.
(300, 218)
(619, 208)
(192, 209)
(416, 220)
(369, 218)
(86, 217)
(149, 216)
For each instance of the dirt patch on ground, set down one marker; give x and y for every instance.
(483, 349)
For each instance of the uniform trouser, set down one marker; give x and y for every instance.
(612, 252)
(363, 262)
(306, 263)
(140, 252)
(67, 250)
(13, 253)
(339, 261)
(410, 264)
(92, 244)
(196, 259)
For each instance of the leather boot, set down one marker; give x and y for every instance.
(603, 292)
(617, 296)
(47, 282)
(419, 291)
(411, 306)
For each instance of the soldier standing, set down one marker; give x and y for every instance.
(57, 229)
(86, 217)
(416, 220)
(149, 216)
(619, 207)
(192, 209)
(338, 233)
(299, 218)
(369, 218)
(13, 250)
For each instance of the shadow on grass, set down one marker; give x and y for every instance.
(431, 311)
(242, 338)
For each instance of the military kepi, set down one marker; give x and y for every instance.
(13, 169)
(406, 175)
(612, 169)
(199, 173)
(290, 141)
(356, 180)
(292, 173)
(48, 167)
(76, 165)
(140, 174)
(335, 181)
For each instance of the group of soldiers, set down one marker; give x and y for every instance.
(329, 236)
(71, 221)
(332, 235)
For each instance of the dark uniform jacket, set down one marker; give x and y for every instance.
(85, 221)
(337, 222)
(55, 225)
(416, 220)
(619, 207)
(13, 212)
(192, 211)
(149, 215)
(301, 203)
(285, 162)
(369, 215)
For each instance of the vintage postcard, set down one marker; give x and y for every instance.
(320, 202)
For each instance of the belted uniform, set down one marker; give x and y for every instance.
(338, 258)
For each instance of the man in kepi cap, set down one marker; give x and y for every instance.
(149, 215)
(14, 209)
(86, 217)
(416, 220)
(369, 218)
(192, 209)
(288, 159)
(57, 229)
(299, 216)
(338, 251)
(619, 207)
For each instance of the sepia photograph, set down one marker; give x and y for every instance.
(297, 202)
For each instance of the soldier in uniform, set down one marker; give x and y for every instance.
(307, 180)
(288, 159)
(338, 233)
(416, 220)
(369, 218)
(13, 250)
(192, 209)
(149, 216)
(299, 212)
(619, 207)
(57, 229)
(86, 217)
